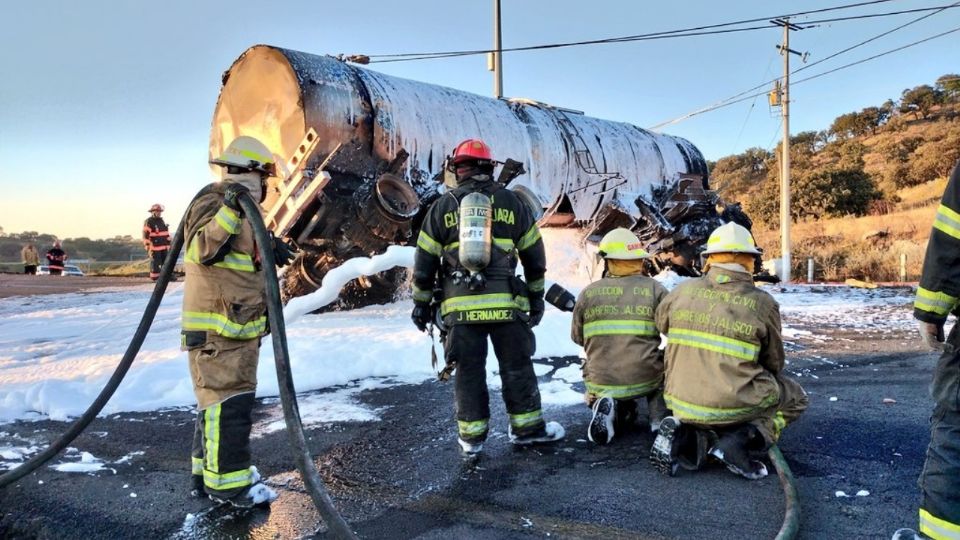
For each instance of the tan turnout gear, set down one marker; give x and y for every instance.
(30, 255)
(614, 321)
(223, 300)
(725, 355)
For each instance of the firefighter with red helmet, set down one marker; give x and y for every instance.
(55, 259)
(156, 239)
(471, 240)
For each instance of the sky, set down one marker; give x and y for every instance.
(105, 107)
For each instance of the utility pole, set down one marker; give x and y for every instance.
(785, 149)
(497, 59)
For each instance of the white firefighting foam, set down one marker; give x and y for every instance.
(57, 351)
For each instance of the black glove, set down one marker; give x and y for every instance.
(231, 197)
(283, 252)
(536, 310)
(421, 315)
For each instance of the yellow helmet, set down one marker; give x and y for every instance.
(623, 245)
(731, 238)
(247, 153)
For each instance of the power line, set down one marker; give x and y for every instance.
(766, 72)
(684, 32)
(733, 99)
(651, 37)
(851, 64)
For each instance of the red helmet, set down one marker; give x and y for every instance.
(156, 208)
(472, 150)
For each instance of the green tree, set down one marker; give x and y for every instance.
(737, 174)
(845, 125)
(935, 159)
(870, 119)
(949, 85)
(825, 193)
(920, 100)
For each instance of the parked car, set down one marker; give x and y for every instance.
(68, 270)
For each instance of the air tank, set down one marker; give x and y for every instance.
(475, 228)
(367, 124)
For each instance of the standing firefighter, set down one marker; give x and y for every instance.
(470, 239)
(156, 240)
(224, 316)
(55, 259)
(31, 259)
(937, 297)
(613, 320)
(724, 364)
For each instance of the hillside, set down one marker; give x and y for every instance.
(864, 191)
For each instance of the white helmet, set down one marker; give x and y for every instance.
(731, 238)
(623, 245)
(247, 153)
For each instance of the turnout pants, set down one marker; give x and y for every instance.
(770, 422)
(513, 343)
(793, 401)
(156, 263)
(224, 380)
(940, 479)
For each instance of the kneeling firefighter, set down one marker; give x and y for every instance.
(724, 364)
(224, 317)
(613, 321)
(471, 238)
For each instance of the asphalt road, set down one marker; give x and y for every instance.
(26, 285)
(402, 477)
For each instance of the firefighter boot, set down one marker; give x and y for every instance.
(469, 450)
(732, 450)
(626, 418)
(256, 494)
(196, 486)
(666, 447)
(694, 446)
(601, 425)
(656, 410)
(552, 431)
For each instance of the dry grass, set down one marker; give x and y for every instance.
(867, 248)
(135, 268)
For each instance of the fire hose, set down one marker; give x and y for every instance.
(791, 512)
(304, 460)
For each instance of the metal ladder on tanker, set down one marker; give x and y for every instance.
(584, 157)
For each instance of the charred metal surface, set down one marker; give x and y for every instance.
(380, 143)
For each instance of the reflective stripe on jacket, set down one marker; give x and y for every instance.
(613, 320)
(224, 292)
(515, 235)
(724, 347)
(156, 235)
(939, 288)
(55, 258)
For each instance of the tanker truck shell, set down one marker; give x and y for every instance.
(375, 146)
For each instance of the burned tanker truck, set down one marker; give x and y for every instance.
(361, 157)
